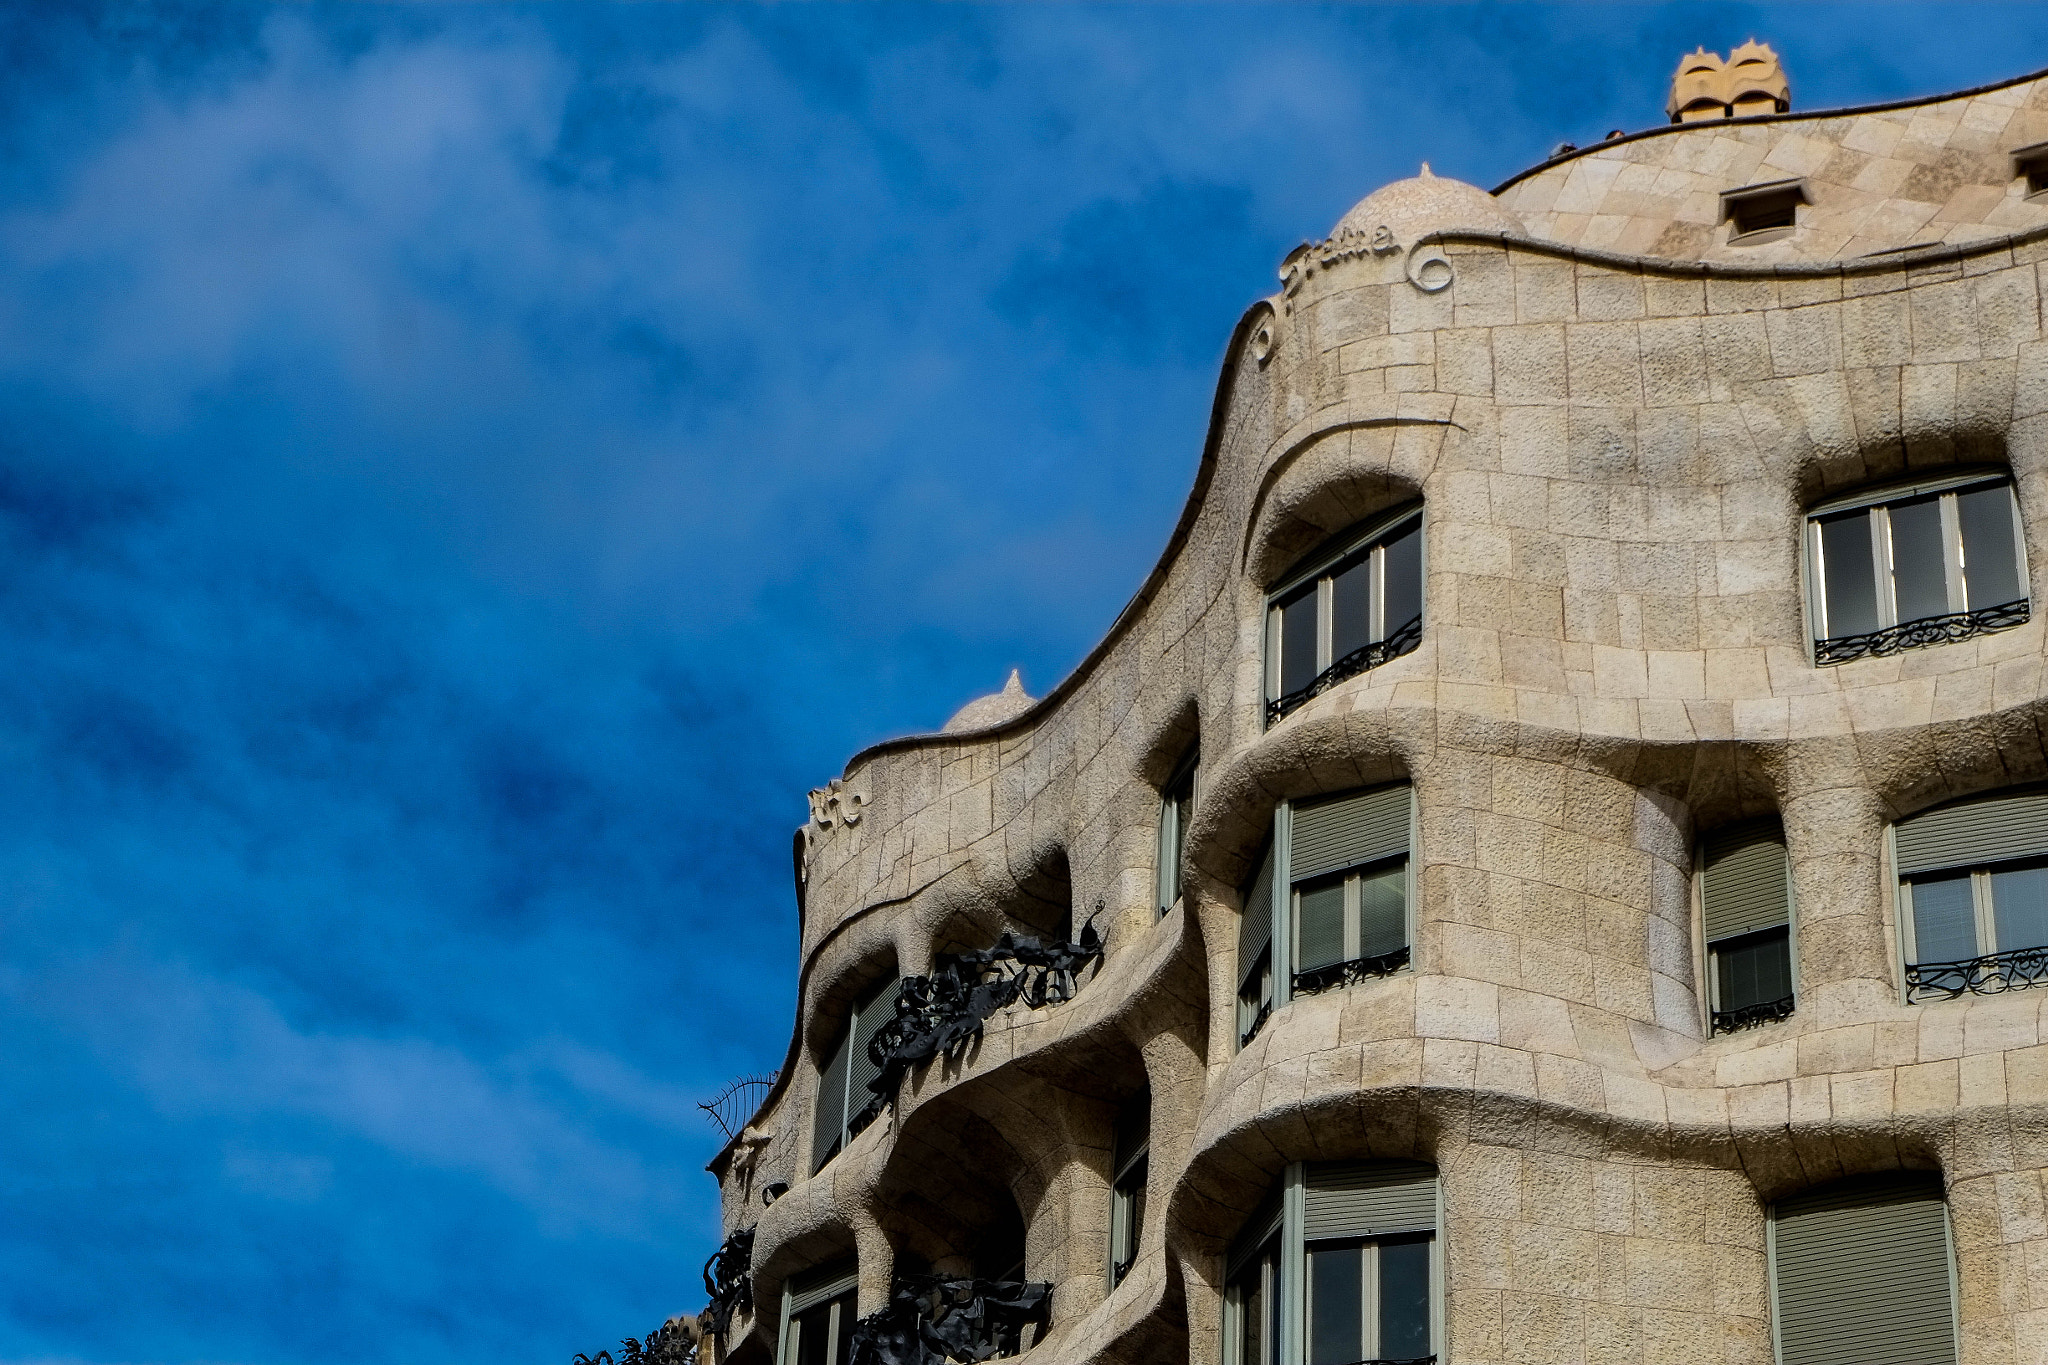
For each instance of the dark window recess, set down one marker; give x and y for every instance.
(2031, 165)
(1255, 952)
(1746, 905)
(1360, 608)
(1176, 805)
(1754, 209)
(1129, 1171)
(1975, 877)
(1921, 567)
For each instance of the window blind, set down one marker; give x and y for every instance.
(1258, 1230)
(1975, 832)
(1860, 1275)
(1346, 831)
(1368, 1199)
(829, 1120)
(1255, 927)
(1746, 885)
(822, 1285)
(873, 1011)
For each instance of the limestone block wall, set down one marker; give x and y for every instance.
(1613, 455)
(1921, 171)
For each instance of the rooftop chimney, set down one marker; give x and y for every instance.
(1751, 81)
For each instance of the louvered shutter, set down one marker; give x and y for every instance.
(1861, 1276)
(1746, 883)
(1255, 927)
(1368, 1199)
(1347, 831)
(830, 1119)
(873, 1011)
(822, 1285)
(1974, 833)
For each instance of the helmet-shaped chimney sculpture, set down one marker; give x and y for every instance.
(1751, 81)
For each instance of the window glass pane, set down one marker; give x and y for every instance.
(1319, 929)
(1851, 586)
(1944, 920)
(1755, 969)
(813, 1334)
(1989, 567)
(2019, 906)
(1404, 577)
(1136, 1222)
(1351, 608)
(1336, 1305)
(1383, 910)
(1919, 573)
(1298, 667)
(1404, 1300)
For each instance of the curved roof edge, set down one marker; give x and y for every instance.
(1155, 580)
(1794, 117)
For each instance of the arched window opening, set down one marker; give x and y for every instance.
(1353, 608)
(1973, 895)
(1746, 914)
(1906, 567)
(1863, 1271)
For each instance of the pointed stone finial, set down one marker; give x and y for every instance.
(992, 710)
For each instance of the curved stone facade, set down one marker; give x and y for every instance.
(1614, 455)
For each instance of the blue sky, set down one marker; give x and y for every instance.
(466, 471)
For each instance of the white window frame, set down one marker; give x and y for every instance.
(1321, 569)
(1881, 500)
(1123, 1201)
(844, 1287)
(1286, 1281)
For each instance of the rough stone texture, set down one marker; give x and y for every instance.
(1930, 171)
(1613, 456)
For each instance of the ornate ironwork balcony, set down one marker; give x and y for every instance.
(1318, 979)
(940, 1014)
(930, 1320)
(1932, 630)
(672, 1343)
(728, 1284)
(1749, 1016)
(1358, 661)
(1986, 975)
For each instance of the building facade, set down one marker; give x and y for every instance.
(1551, 865)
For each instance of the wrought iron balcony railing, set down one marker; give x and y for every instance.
(1318, 979)
(931, 1320)
(728, 1284)
(1358, 661)
(1932, 630)
(1258, 1022)
(1749, 1016)
(940, 1014)
(673, 1343)
(1987, 975)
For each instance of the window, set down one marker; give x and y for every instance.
(1973, 895)
(1861, 1273)
(1130, 1167)
(818, 1316)
(1921, 565)
(1176, 805)
(1349, 611)
(1347, 911)
(1746, 910)
(1348, 887)
(1763, 213)
(2031, 165)
(845, 1104)
(1359, 1238)
(1255, 952)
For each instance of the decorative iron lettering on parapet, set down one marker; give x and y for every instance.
(930, 1320)
(1402, 641)
(1991, 974)
(1319, 979)
(1751, 1016)
(940, 1014)
(673, 1343)
(1933, 630)
(727, 1282)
